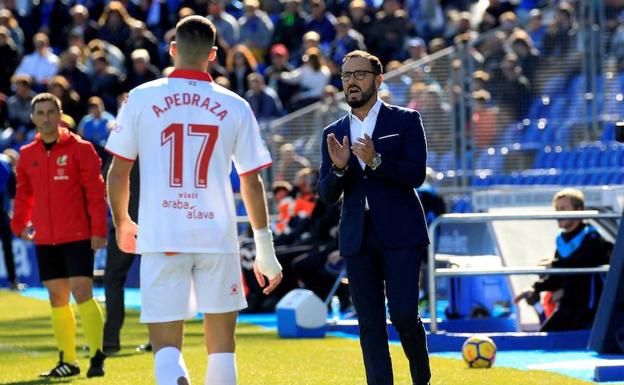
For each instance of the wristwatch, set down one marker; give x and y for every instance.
(339, 172)
(376, 162)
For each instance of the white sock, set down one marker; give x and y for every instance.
(221, 369)
(169, 367)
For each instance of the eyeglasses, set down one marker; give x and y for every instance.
(359, 75)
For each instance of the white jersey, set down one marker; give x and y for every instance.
(186, 130)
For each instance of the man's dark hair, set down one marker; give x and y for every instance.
(195, 37)
(46, 97)
(374, 60)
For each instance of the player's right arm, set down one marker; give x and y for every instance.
(23, 203)
(266, 264)
(118, 185)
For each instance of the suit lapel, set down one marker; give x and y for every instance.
(381, 128)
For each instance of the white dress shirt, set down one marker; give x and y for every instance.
(360, 127)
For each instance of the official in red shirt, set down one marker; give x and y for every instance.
(60, 204)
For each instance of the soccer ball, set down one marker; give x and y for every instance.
(479, 352)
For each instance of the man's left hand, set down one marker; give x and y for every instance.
(98, 242)
(364, 149)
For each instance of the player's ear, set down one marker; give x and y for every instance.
(213, 54)
(173, 49)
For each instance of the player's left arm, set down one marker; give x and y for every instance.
(90, 174)
(118, 186)
(252, 191)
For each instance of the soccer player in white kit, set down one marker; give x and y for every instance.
(186, 130)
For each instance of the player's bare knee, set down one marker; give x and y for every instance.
(82, 295)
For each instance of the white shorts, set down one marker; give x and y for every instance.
(176, 287)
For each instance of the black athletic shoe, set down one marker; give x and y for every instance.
(96, 369)
(62, 369)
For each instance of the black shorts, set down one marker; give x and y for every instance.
(71, 259)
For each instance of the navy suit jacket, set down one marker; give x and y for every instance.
(395, 209)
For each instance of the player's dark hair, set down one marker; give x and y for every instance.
(46, 97)
(195, 37)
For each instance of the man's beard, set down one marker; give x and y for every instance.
(366, 96)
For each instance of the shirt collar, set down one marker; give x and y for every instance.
(372, 113)
(191, 74)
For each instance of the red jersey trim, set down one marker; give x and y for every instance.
(256, 169)
(119, 156)
(191, 74)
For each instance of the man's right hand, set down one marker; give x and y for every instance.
(126, 233)
(28, 234)
(338, 153)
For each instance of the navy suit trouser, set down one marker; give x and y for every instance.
(371, 272)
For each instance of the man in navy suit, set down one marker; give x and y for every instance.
(376, 156)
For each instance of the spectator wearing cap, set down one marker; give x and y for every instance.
(40, 65)
(279, 64)
(347, 40)
(141, 38)
(142, 70)
(240, 62)
(290, 26)
(312, 77)
(263, 100)
(256, 29)
(81, 23)
(226, 24)
(416, 50)
(19, 108)
(51, 17)
(321, 21)
(75, 72)
(388, 32)
(8, 21)
(536, 29)
(114, 24)
(106, 81)
(9, 59)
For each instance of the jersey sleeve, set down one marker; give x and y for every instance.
(250, 152)
(122, 141)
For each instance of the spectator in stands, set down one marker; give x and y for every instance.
(289, 162)
(9, 22)
(279, 64)
(40, 65)
(483, 119)
(51, 17)
(528, 57)
(154, 13)
(7, 193)
(417, 96)
(508, 22)
(106, 81)
(263, 100)
(536, 29)
(426, 17)
(578, 245)
(312, 77)
(360, 20)
(321, 21)
(9, 59)
(226, 24)
(493, 50)
(142, 70)
(347, 40)
(114, 56)
(240, 62)
(60, 87)
(436, 45)
(75, 72)
(560, 37)
(389, 31)
(495, 9)
(96, 125)
(256, 29)
(514, 89)
(416, 50)
(19, 108)
(617, 46)
(460, 23)
(480, 80)
(141, 38)
(81, 23)
(67, 234)
(290, 26)
(115, 24)
(398, 85)
(284, 204)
